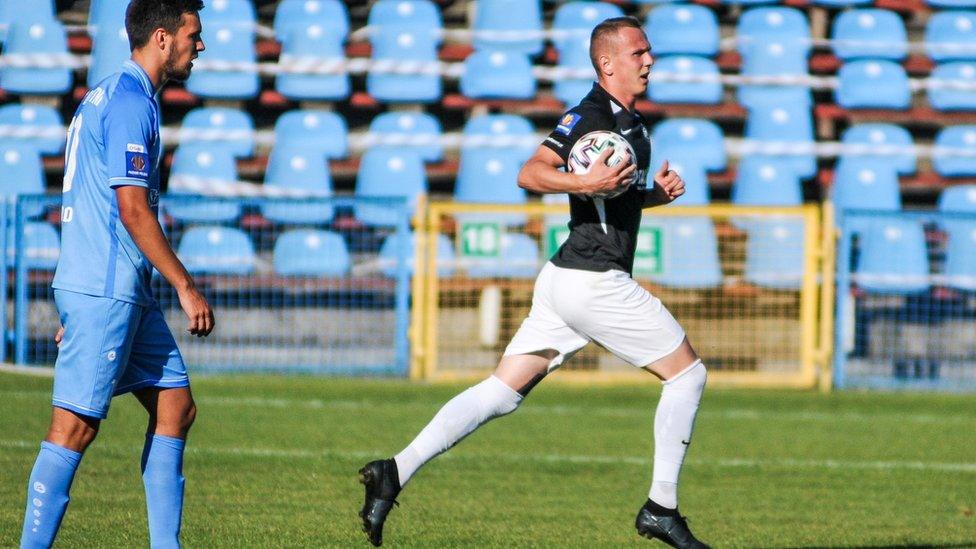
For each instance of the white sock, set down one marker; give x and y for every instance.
(457, 419)
(673, 423)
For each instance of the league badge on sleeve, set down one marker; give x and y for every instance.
(567, 122)
(136, 161)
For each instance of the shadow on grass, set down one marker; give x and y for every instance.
(895, 546)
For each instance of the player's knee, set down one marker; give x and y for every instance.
(188, 417)
(73, 432)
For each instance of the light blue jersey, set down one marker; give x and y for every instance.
(113, 141)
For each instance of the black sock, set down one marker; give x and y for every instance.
(656, 509)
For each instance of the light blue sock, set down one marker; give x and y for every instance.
(47, 494)
(162, 475)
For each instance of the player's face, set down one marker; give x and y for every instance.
(186, 44)
(632, 60)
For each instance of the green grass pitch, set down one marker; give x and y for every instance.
(272, 462)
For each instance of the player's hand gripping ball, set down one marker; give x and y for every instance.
(590, 146)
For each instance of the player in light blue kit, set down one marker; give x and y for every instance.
(114, 339)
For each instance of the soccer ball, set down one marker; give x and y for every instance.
(589, 147)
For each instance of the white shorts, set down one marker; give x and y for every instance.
(571, 307)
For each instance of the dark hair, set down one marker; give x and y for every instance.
(606, 31)
(142, 17)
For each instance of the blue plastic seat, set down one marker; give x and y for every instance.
(418, 14)
(574, 56)
(329, 13)
(31, 37)
(841, 3)
(958, 198)
(869, 33)
(776, 56)
(683, 29)
(312, 253)
(106, 14)
(766, 181)
(960, 258)
(951, 3)
(883, 135)
(14, 11)
(41, 245)
(110, 48)
(519, 23)
(239, 128)
(236, 12)
(688, 140)
(950, 99)
(227, 42)
(789, 122)
(217, 250)
(16, 120)
(663, 87)
(874, 83)
(951, 35)
(21, 171)
(959, 138)
(322, 130)
(390, 252)
(775, 254)
(747, 2)
(517, 258)
(497, 74)
(300, 168)
(690, 253)
(867, 184)
(407, 126)
(693, 173)
(893, 258)
(760, 25)
(207, 166)
(489, 174)
(404, 46)
(386, 172)
(312, 43)
(574, 21)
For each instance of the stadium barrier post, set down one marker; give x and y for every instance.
(402, 305)
(827, 292)
(842, 321)
(417, 286)
(808, 296)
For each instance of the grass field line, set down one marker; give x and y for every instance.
(778, 463)
(561, 410)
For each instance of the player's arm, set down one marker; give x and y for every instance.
(542, 174)
(668, 186)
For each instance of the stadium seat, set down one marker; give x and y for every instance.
(497, 74)
(959, 138)
(873, 84)
(688, 140)
(41, 245)
(951, 3)
(312, 253)
(323, 130)
(300, 168)
(217, 251)
(109, 50)
(690, 253)
(225, 42)
(21, 171)
(312, 44)
(761, 25)
(869, 34)
(107, 14)
(236, 12)
(737, 2)
(766, 181)
(693, 173)
(960, 257)
(14, 11)
(398, 14)
(893, 258)
(407, 126)
(32, 36)
(841, 3)
(512, 25)
(865, 184)
(786, 122)
(574, 57)
(574, 21)
(388, 172)
(775, 254)
(399, 47)
(958, 198)
(683, 29)
(328, 13)
(231, 129)
(518, 258)
(871, 135)
(951, 35)
(775, 56)
(950, 99)
(664, 88)
(17, 120)
(390, 253)
(207, 166)
(488, 172)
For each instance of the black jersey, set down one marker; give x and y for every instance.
(603, 233)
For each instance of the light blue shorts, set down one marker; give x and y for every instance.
(111, 347)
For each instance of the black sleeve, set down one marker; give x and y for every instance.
(573, 125)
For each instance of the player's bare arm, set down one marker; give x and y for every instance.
(542, 174)
(668, 186)
(144, 228)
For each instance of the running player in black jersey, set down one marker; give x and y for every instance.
(585, 293)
